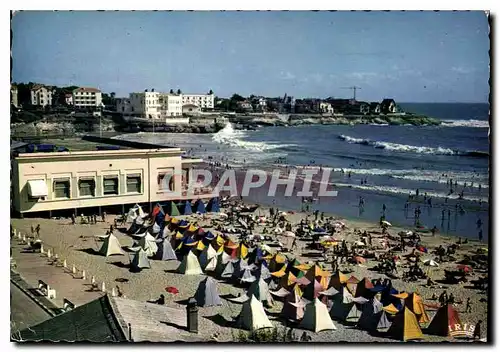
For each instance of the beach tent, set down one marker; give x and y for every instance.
(370, 315)
(287, 280)
(260, 289)
(206, 295)
(363, 289)
(165, 251)
(315, 272)
(405, 326)
(316, 317)
(293, 307)
(110, 246)
(338, 280)
(148, 243)
(391, 309)
(171, 209)
(242, 251)
(186, 208)
(155, 228)
(227, 271)
(247, 276)
(190, 265)
(253, 316)
(222, 260)
(209, 236)
(213, 205)
(277, 262)
(199, 207)
(156, 210)
(238, 268)
(445, 316)
(415, 303)
(139, 261)
(312, 290)
(208, 258)
(262, 271)
(344, 306)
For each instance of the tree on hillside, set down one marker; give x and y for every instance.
(171, 91)
(236, 97)
(211, 92)
(179, 91)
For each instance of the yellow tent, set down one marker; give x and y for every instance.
(338, 280)
(287, 280)
(324, 281)
(220, 240)
(179, 235)
(297, 290)
(415, 303)
(402, 295)
(200, 246)
(391, 309)
(302, 267)
(405, 326)
(192, 228)
(242, 251)
(279, 273)
(174, 220)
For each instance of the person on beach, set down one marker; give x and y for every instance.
(477, 330)
(443, 297)
(451, 299)
(32, 231)
(480, 235)
(103, 216)
(442, 214)
(37, 229)
(468, 306)
(479, 223)
(417, 192)
(73, 219)
(434, 230)
(110, 229)
(383, 208)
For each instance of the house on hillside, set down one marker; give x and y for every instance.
(326, 108)
(190, 109)
(41, 95)
(245, 106)
(69, 99)
(388, 106)
(374, 107)
(14, 95)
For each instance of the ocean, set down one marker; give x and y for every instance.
(380, 163)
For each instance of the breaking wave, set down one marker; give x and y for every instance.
(399, 190)
(410, 148)
(466, 123)
(234, 138)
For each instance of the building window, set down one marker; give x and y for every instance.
(133, 183)
(166, 181)
(110, 185)
(61, 189)
(86, 187)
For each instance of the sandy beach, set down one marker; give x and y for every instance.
(70, 242)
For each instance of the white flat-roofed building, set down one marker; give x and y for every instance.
(87, 98)
(84, 179)
(69, 99)
(144, 104)
(203, 101)
(14, 95)
(170, 105)
(41, 95)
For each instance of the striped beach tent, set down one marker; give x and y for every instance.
(213, 205)
(199, 207)
(405, 326)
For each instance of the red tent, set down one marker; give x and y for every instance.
(445, 316)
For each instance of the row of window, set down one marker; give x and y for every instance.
(87, 186)
(110, 185)
(84, 93)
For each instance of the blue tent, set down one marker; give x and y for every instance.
(183, 223)
(186, 208)
(213, 205)
(209, 236)
(387, 298)
(45, 148)
(319, 229)
(199, 207)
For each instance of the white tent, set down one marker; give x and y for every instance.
(253, 316)
(293, 308)
(190, 265)
(148, 243)
(344, 306)
(111, 246)
(222, 260)
(155, 228)
(430, 262)
(208, 258)
(316, 317)
(165, 251)
(140, 260)
(247, 276)
(260, 290)
(206, 295)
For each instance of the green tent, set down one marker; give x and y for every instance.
(172, 209)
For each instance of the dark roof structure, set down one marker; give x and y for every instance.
(91, 322)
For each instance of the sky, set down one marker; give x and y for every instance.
(408, 56)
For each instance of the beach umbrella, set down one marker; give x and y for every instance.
(387, 223)
(430, 262)
(359, 260)
(465, 268)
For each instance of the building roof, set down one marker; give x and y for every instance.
(68, 95)
(107, 319)
(38, 87)
(94, 322)
(190, 106)
(87, 89)
(16, 144)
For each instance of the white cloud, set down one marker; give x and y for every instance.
(461, 69)
(287, 75)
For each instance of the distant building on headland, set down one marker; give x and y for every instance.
(168, 107)
(388, 106)
(85, 98)
(69, 99)
(41, 95)
(14, 95)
